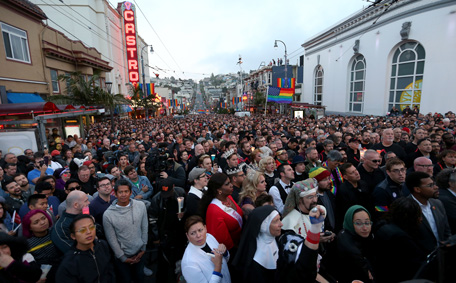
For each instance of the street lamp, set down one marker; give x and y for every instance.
(286, 64)
(144, 75)
(108, 90)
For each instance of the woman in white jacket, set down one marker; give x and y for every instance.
(205, 260)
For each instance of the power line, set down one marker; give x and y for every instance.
(158, 36)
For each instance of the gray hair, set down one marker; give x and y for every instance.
(334, 155)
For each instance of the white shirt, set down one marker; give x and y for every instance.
(196, 192)
(274, 192)
(427, 212)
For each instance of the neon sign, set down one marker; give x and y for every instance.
(130, 41)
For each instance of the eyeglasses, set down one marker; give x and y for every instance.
(105, 185)
(91, 167)
(84, 230)
(425, 165)
(202, 176)
(431, 185)
(74, 188)
(396, 171)
(193, 234)
(376, 160)
(361, 224)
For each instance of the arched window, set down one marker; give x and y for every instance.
(357, 84)
(407, 76)
(318, 90)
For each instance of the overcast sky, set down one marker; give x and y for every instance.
(207, 36)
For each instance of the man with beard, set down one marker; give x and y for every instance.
(245, 152)
(387, 144)
(237, 176)
(312, 159)
(14, 198)
(434, 226)
(198, 180)
(352, 191)
(365, 140)
(302, 198)
(325, 196)
(328, 145)
(22, 181)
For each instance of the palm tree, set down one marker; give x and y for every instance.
(87, 92)
(138, 99)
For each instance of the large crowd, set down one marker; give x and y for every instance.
(220, 198)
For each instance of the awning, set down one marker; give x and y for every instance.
(17, 97)
(123, 109)
(27, 108)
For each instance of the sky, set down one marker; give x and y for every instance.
(192, 39)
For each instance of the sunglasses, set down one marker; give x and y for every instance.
(74, 188)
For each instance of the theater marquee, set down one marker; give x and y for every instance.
(128, 12)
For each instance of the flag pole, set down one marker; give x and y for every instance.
(266, 101)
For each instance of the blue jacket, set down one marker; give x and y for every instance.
(137, 190)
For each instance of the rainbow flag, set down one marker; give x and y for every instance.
(280, 95)
(291, 82)
(222, 105)
(201, 111)
(236, 100)
(380, 208)
(150, 89)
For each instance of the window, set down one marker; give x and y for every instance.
(407, 76)
(318, 90)
(55, 81)
(15, 41)
(357, 84)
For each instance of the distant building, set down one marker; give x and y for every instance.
(400, 53)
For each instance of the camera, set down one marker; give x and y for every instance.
(158, 161)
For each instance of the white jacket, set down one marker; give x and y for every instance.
(197, 266)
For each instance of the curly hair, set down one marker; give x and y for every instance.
(249, 186)
(264, 162)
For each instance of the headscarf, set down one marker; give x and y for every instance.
(300, 189)
(248, 245)
(26, 222)
(267, 251)
(348, 219)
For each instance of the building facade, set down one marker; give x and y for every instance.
(97, 24)
(400, 53)
(34, 55)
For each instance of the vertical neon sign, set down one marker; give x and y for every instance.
(130, 41)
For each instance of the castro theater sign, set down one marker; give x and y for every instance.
(128, 11)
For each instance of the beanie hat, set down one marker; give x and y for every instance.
(319, 173)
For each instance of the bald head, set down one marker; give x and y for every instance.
(75, 201)
(423, 164)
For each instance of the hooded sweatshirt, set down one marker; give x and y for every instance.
(126, 228)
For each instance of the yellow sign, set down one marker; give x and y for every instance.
(406, 95)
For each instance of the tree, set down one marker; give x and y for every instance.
(87, 92)
(138, 99)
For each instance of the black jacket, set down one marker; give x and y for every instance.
(87, 266)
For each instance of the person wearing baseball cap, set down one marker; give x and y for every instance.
(198, 180)
(353, 153)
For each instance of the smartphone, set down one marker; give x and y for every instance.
(46, 160)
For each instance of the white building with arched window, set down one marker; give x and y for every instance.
(397, 54)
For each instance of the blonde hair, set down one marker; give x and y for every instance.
(249, 185)
(264, 162)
